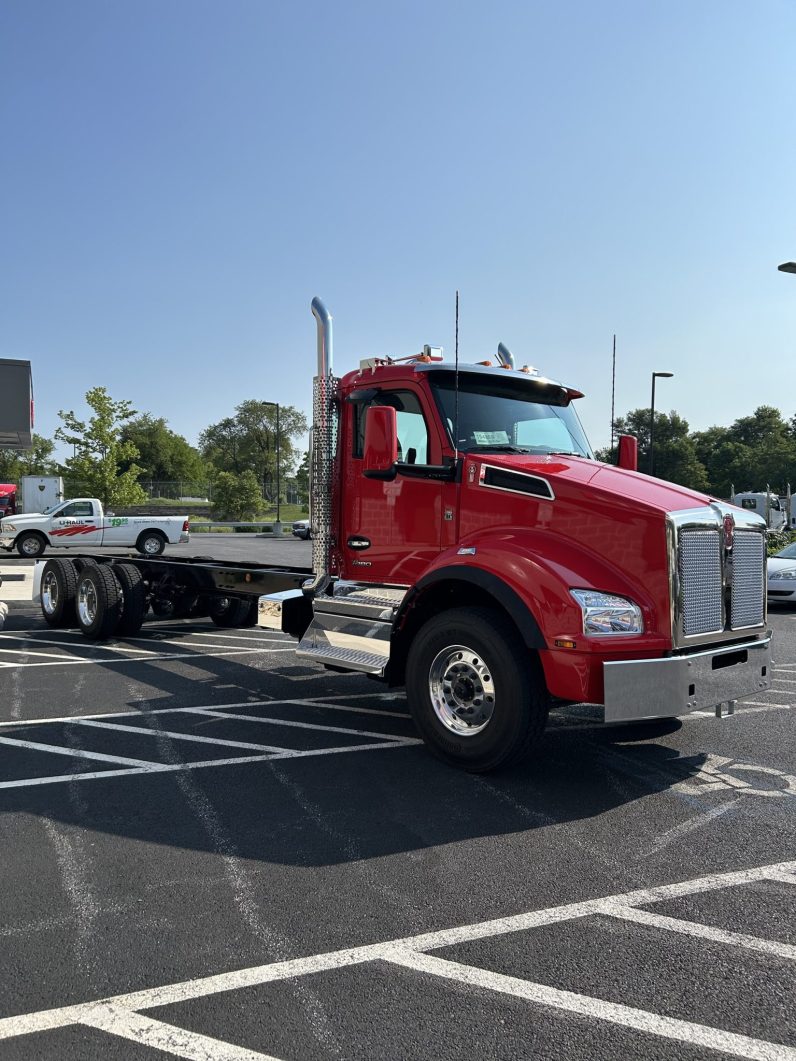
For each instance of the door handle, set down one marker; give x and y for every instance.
(356, 541)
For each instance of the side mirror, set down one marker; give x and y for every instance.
(628, 453)
(381, 442)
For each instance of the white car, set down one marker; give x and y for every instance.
(782, 575)
(301, 529)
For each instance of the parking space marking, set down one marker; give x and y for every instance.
(74, 753)
(597, 1008)
(83, 643)
(167, 1037)
(134, 767)
(169, 768)
(176, 736)
(152, 658)
(31, 652)
(691, 928)
(118, 1015)
(220, 713)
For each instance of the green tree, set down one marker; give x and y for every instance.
(101, 458)
(38, 460)
(162, 453)
(303, 479)
(248, 440)
(676, 458)
(237, 497)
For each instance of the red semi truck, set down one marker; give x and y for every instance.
(8, 499)
(468, 546)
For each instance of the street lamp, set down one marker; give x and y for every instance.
(655, 375)
(278, 524)
(787, 267)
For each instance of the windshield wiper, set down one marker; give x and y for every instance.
(497, 447)
(566, 453)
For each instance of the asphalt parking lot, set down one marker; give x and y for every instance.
(213, 850)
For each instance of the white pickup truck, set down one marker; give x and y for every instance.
(81, 523)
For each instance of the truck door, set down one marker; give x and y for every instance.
(76, 524)
(391, 530)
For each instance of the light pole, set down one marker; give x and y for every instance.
(278, 524)
(655, 375)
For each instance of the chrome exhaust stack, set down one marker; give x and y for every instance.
(323, 439)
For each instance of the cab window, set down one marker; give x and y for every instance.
(78, 508)
(748, 502)
(412, 427)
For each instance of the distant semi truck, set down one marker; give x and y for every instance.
(771, 507)
(8, 499)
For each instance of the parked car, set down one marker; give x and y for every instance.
(782, 574)
(301, 529)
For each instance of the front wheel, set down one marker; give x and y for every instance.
(31, 545)
(475, 692)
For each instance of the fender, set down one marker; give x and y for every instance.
(510, 601)
(530, 573)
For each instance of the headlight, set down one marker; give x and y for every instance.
(789, 572)
(603, 613)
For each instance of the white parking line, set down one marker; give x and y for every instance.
(297, 725)
(117, 1014)
(168, 768)
(30, 652)
(74, 753)
(167, 1037)
(80, 642)
(691, 928)
(175, 735)
(596, 1008)
(153, 658)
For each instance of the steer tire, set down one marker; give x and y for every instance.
(231, 612)
(99, 602)
(58, 591)
(151, 543)
(31, 545)
(469, 670)
(134, 604)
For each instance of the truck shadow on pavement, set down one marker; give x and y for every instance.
(333, 809)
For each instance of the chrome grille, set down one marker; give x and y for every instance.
(701, 583)
(748, 580)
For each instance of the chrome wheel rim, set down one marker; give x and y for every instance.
(49, 593)
(151, 545)
(87, 603)
(462, 690)
(31, 547)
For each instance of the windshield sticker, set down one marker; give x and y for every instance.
(491, 438)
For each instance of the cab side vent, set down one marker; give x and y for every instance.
(518, 482)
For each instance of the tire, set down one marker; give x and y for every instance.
(134, 603)
(58, 592)
(31, 545)
(151, 543)
(475, 692)
(99, 602)
(231, 611)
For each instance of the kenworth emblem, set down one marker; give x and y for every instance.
(729, 527)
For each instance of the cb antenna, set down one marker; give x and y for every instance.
(613, 395)
(456, 387)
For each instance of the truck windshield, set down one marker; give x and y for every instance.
(505, 415)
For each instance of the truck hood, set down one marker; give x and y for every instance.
(23, 519)
(641, 491)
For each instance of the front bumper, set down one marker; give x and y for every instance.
(6, 542)
(677, 685)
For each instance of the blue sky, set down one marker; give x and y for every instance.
(180, 177)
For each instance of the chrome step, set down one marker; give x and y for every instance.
(348, 641)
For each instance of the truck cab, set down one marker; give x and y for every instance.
(8, 499)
